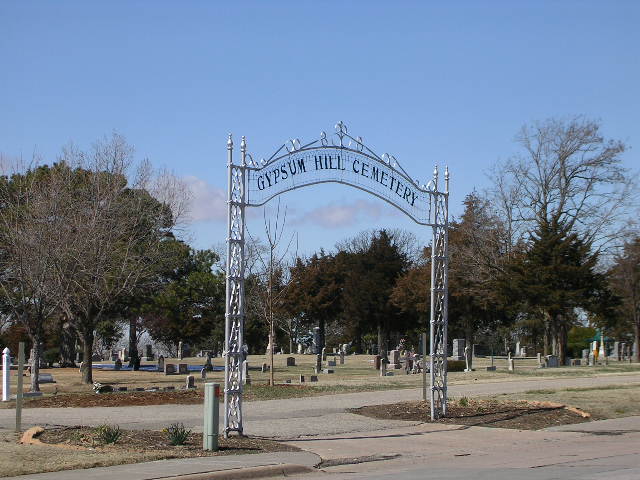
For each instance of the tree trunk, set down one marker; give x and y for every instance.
(547, 334)
(562, 344)
(290, 342)
(87, 352)
(68, 345)
(36, 353)
(381, 350)
(637, 335)
(321, 325)
(134, 361)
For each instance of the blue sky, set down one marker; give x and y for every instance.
(430, 82)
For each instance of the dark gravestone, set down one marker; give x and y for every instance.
(169, 369)
(183, 368)
(291, 361)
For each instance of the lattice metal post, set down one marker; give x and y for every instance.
(234, 307)
(439, 297)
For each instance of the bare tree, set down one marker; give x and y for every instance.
(274, 271)
(568, 174)
(114, 233)
(33, 211)
(625, 278)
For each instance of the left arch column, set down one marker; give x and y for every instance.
(234, 305)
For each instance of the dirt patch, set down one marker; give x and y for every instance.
(519, 415)
(157, 441)
(183, 397)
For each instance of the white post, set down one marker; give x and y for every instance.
(6, 374)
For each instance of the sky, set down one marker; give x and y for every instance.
(446, 83)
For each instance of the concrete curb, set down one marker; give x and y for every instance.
(264, 471)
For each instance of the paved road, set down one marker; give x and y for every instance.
(606, 449)
(290, 418)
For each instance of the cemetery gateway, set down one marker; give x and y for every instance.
(338, 158)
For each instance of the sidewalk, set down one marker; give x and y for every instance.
(228, 467)
(290, 418)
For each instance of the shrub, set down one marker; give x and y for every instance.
(177, 434)
(108, 433)
(463, 402)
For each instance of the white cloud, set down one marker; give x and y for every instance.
(207, 202)
(338, 215)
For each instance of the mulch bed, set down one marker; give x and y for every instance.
(520, 415)
(157, 441)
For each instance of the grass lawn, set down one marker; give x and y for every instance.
(357, 374)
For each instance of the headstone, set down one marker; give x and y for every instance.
(511, 364)
(331, 363)
(118, 364)
(180, 350)
(394, 360)
(161, 363)
(166, 389)
(585, 356)
(551, 361)
(376, 362)
(148, 352)
(291, 361)
(623, 351)
(491, 368)
(575, 362)
(539, 355)
(122, 389)
(208, 363)
(246, 380)
(518, 349)
(169, 368)
(122, 355)
(635, 350)
(190, 382)
(324, 354)
(383, 367)
(45, 378)
(301, 378)
(300, 349)
(458, 349)
(615, 352)
(183, 368)
(523, 351)
(591, 359)
(265, 368)
(203, 374)
(328, 370)
(313, 378)
(341, 357)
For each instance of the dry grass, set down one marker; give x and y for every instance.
(356, 375)
(602, 402)
(16, 459)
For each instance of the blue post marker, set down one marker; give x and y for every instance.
(210, 428)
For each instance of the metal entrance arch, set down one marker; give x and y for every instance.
(339, 158)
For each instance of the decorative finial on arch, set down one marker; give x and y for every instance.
(243, 151)
(230, 142)
(446, 178)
